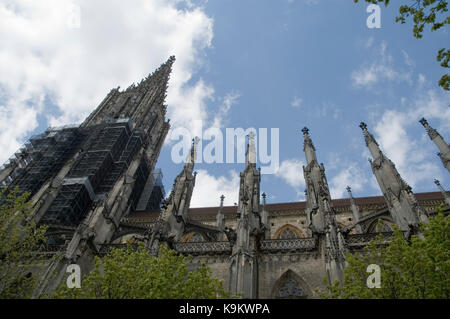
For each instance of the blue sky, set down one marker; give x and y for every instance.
(265, 64)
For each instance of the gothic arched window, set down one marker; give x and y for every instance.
(192, 238)
(196, 238)
(288, 232)
(289, 287)
(380, 226)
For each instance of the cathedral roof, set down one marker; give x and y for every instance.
(338, 204)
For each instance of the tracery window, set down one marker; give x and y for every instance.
(192, 238)
(196, 238)
(384, 227)
(289, 287)
(287, 234)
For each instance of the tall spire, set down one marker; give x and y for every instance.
(444, 148)
(308, 147)
(141, 103)
(220, 216)
(320, 213)
(192, 156)
(174, 215)
(443, 192)
(265, 216)
(318, 197)
(243, 268)
(355, 210)
(401, 201)
(250, 155)
(371, 143)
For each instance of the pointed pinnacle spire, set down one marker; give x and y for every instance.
(444, 148)
(159, 76)
(220, 217)
(371, 142)
(264, 198)
(190, 159)
(349, 191)
(355, 209)
(443, 192)
(432, 133)
(250, 156)
(308, 146)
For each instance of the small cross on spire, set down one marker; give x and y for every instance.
(305, 130)
(363, 126)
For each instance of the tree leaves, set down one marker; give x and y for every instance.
(416, 269)
(425, 12)
(20, 242)
(133, 273)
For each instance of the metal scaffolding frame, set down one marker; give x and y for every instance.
(108, 151)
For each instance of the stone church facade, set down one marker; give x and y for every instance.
(96, 187)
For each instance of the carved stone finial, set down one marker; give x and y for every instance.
(222, 198)
(363, 126)
(263, 195)
(349, 189)
(423, 121)
(436, 181)
(305, 130)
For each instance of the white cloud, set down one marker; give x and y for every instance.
(350, 176)
(43, 54)
(291, 171)
(408, 61)
(229, 100)
(369, 42)
(208, 189)
(421, 79)
(382, 69)
(296, 102)
(414, 158)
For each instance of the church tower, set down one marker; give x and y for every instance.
(171, 223)
(244, 261)
(85, 178)
(400, 199)
(444, 148)
(320, 213)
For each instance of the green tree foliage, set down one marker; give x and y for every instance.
(134, 274)
(419, 268)
(426, 12)
(20, 242)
